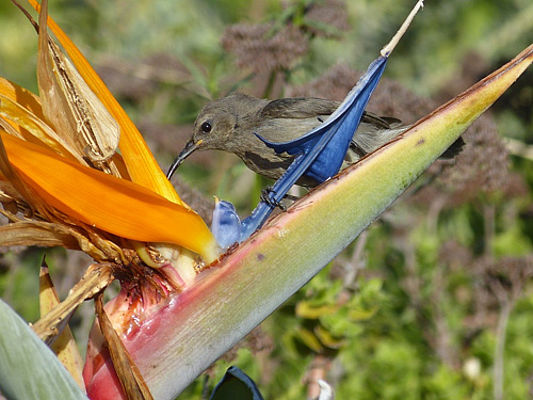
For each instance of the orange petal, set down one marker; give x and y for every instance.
(22, 96)
(115, 205)
(142, 166)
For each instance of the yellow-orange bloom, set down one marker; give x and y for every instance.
(139, 203)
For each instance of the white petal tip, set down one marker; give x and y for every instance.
(385, 51)
(326, 392)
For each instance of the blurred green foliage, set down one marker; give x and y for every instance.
(409, 310)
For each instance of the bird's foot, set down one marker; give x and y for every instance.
(265, 198)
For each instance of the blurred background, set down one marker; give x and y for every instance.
(434, 300)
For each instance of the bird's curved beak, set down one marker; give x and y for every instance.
(190, 147)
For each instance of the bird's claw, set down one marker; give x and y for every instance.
(266, 198)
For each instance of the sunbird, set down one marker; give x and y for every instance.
(235, 124)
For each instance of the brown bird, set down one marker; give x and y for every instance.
(230, 124)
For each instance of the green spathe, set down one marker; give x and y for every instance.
(28, 368)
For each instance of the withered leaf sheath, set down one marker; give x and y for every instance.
(78, 116)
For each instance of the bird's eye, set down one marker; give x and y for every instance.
(206, 127)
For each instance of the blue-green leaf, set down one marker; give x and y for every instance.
(28, 368)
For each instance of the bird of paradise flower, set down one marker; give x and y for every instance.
(76, 172)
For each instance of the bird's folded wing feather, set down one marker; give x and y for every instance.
(299, 107)
(308, 113)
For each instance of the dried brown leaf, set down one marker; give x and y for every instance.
(7, 191)
(75, 111)
(36, 233)
(96, 279)
(128, 374)
(62, 232)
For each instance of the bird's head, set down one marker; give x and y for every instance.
(216, 127)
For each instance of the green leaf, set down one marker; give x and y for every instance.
(309, 339)
(28, 368)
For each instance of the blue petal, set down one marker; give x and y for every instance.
(226, 224)
(348, 113)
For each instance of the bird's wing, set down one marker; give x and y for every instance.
(380, 121)
(298, 108)
(288, 119)
(309, 107)
(280, 130)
